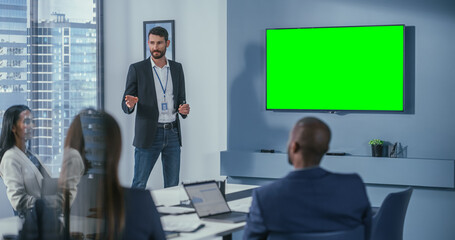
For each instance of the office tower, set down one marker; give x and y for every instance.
(49, 63)
(13, 53)
(63, 81)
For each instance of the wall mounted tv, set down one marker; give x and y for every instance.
(352, 68)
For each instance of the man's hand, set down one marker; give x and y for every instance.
(184, 109)
(130, 101)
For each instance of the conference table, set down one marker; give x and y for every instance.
(237, 195)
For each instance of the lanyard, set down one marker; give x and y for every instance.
(167, 78)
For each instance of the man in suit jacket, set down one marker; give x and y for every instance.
(309, 199)
(156, 87)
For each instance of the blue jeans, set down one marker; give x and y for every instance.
(167, 143)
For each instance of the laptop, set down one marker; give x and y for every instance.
(210, 204)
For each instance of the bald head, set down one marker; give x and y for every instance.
(308, 143)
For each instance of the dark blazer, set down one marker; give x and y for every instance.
(140, 83)
(310, 200)
(142, 220)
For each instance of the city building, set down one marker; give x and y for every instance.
(49, 64)
(63, 81)
(13, 53)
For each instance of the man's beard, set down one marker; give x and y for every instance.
(161, 54)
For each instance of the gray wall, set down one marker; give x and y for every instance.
(425, 129)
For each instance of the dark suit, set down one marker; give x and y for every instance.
(140, 83)
(310, 200)
(142, 220)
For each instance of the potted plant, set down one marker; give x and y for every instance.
(376, 147)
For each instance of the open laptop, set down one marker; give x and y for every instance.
(210, 204)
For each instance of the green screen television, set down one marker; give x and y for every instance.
(352, 68)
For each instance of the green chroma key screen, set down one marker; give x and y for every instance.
(335, 68)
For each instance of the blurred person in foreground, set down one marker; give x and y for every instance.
(119, 213)
(310, 198)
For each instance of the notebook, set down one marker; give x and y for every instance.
(210, 204)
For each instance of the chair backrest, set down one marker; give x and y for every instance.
(357, 233)
(389, 220)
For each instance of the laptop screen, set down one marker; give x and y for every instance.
(206, 198)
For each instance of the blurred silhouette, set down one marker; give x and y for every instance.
(101, 208)
(247, 113)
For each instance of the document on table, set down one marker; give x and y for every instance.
(174, 210)
(178, 224)
(241, 205)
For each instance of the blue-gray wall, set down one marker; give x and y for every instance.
(425, 130)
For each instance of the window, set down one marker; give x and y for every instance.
(42, 66)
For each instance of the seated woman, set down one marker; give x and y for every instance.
(121, 213)
(21, 170)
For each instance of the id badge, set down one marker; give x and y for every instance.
(164, 108)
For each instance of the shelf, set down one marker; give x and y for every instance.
(436, 173)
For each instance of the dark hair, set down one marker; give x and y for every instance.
(107, 143)
(75, 139)
(111, 199)
(159, 31)
(10, 118)
(313, 135)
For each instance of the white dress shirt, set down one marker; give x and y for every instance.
(164, 74)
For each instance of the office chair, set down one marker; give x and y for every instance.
(357, 233)
(389, 220)
(41, 222)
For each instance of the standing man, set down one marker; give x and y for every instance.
(309, 199)
(156, 87)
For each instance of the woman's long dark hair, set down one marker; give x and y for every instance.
(111, 200)
(10, 118)
(75, 139)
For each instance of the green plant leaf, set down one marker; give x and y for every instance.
(375, 142)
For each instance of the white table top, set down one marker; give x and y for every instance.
(172, 196)
(167, 197)
(9, 225)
